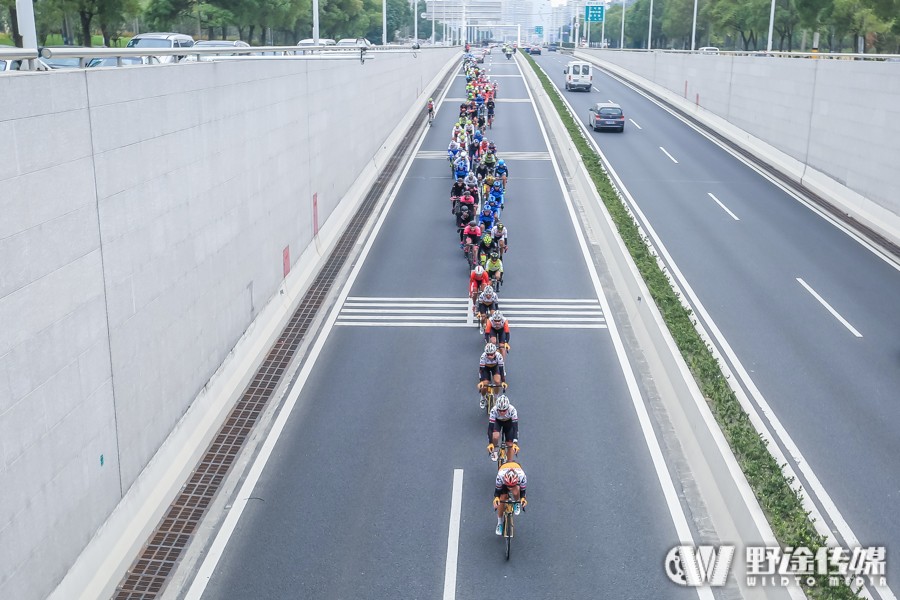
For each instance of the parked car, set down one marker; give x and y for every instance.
(162, 40)
(354, 43)
(708, 50)
(217, 44)
(606, 115)
(535, 50)
(126, 61)
(7, 65)
(322, 42)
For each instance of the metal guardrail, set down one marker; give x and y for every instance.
(762, 53)
(13, 53)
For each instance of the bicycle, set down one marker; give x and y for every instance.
(496, 280)
(490, 121)
(509, 530)
(430, 117)
(502, 451)
(490, 395)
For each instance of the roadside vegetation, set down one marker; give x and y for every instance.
(782, 505)
(258, 22)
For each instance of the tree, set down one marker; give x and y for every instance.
(676, 21)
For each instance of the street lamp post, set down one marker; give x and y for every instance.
(316, 22)
(622, 35)
(771, 26)
(694, 28)
(383, 22)
(650, 27)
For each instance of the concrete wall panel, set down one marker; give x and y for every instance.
(144, 214)
(839, 117)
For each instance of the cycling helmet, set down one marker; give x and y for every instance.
(511, 477)
(495, 255)
(485, 210)
(501, 162)
(459, 179)
(502, 402)
(473, 223)
(488, 290)
(499, 226)
(497, 183)
(479, 271)
(490, 349)
(431, 99)
(497, 316)
(487, 239)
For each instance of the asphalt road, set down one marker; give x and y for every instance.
(835, 393)
(355, 501)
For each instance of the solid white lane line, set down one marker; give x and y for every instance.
(388, 305)
(725, 208)
(833, 312)
(635, 124)
(381, 299)
(567, 326)
(595, 312)
(453, 536)
(458, 318)
(404, 311)
(229, 523)
(405, 324)
(561, 319)
(682, 529)
(669, 155)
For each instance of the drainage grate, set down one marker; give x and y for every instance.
(150, 572)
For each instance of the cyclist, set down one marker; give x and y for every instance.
(463, 109)
(486, 245)
(510, 481)
(466, 200)
(471, 182)
(488, 302)
(453, 150)
(462, 219)
(490, 110)
(494, 267)
(500, 232)
(490, 368)
(486, 219)
(461, 165)
(490, 158)
(504, 418)
(478, 279)
(470, 235)
(430, 108)
(502, 171)
(458, 188)
(496, 331)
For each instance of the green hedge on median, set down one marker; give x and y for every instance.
(783, 506)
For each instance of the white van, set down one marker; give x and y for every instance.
(579, 76)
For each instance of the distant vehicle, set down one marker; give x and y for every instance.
(606, 115)
(217, 44)
(15, 64)
(354, 43)
(708, 50)
(578, 76)
(162, 40)
(535, 50)
(552, 48)
(127, 61)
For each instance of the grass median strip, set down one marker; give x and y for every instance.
(781, 503)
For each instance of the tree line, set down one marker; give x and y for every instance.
(842, 25)
(258, 22)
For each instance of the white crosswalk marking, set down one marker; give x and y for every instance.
(523, 313)
(497, 100)
(442, 154)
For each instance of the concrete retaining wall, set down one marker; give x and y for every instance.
(839, 118)
(144, 217)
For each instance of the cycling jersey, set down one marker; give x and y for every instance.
(490, 158)
(472, 232)
(468, 200)
(490, 106)
(493, 266)
(430, 106)
(497, 234)
(470, 179)
(458, 189)
(501, 332)
(475, 280)
(511, 415)
(502, 170)
(486, 361)
(486, 220)
(500, 487)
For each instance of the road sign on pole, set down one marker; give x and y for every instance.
(594, 13)
(539, 30)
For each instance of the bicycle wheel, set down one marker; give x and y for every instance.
(508, 532)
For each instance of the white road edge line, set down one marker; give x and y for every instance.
(217, 548)
(669, 155)
(679, 519)
(725, 208)
(833, 312)
(635, 124)
(713, 336)
(453, 536)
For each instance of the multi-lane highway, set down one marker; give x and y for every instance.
(805, 314)
(357, 497)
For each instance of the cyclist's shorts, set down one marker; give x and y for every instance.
(505, 426)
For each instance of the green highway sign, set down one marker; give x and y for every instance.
(593, 13)
(538, 29)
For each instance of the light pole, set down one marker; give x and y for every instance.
(315, 22)
(771, 26)
(416, 22)
(622, 35)
(650, 27)
(694, 29)
(383, 22)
